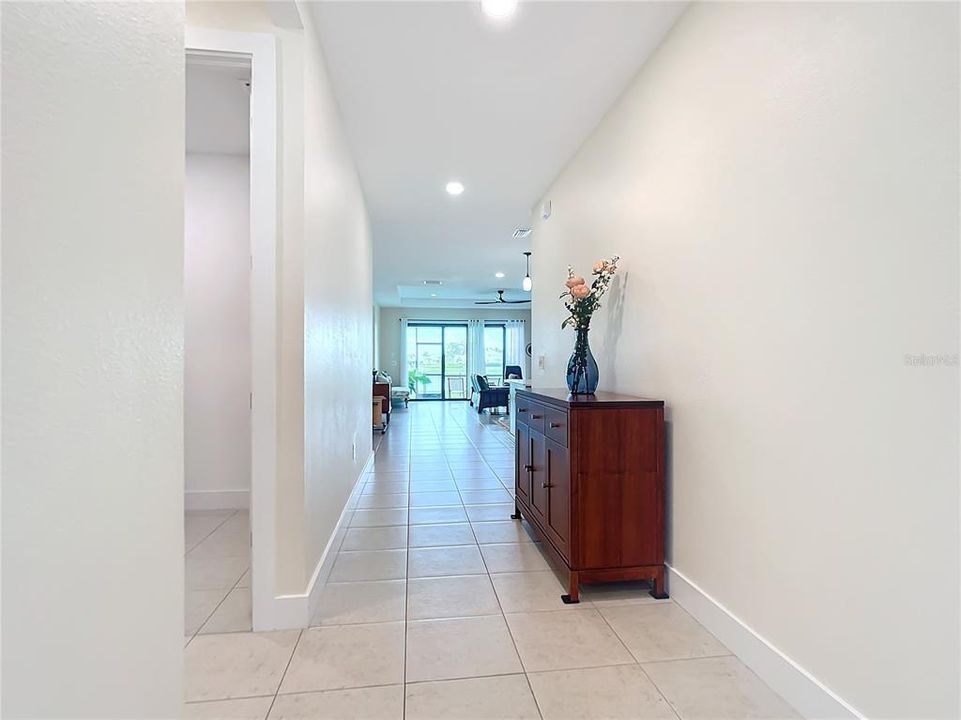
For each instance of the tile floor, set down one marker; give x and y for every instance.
(440, 606)
(217, 588)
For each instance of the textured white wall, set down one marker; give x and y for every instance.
(93, 188)
(217, 323)
(782, 182)
(338, 306)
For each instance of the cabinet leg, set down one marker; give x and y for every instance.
(658, 590)
(517, 513)
(573, 589)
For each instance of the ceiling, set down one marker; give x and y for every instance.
(437, 91)
(218, 105)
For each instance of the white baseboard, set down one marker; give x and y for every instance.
(295, 611)
(807, 694)
(217, 500)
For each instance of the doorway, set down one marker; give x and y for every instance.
(217, 345)
(437, 359)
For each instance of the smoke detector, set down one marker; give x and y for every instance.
(521, 233)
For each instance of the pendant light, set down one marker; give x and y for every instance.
(528, 283)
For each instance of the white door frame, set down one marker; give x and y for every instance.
(264, 172)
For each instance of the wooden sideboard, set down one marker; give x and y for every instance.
(589, 477)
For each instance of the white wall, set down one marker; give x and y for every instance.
(217, 330)
(93, 188)
(389, 345)
(338, 298)
(782, 182)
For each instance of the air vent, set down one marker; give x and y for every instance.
(433, 282)
(521, 233)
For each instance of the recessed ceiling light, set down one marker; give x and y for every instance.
(433, 294)
(498, 274)
(455, 188)
(499, 9)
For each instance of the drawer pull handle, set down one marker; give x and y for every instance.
(535, 417)
(546, 485)
(555, 425)
(529, 468)
(521, 409)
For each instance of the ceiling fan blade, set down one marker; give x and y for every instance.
(487, 302)
(515, 302)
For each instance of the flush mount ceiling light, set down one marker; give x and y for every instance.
(499, 9)
(454, 188)
(528, 283)
(498, 274)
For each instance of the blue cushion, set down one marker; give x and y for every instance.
(482, 383)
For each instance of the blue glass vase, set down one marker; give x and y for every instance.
(582, 375)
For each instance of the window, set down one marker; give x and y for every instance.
(494, 345)
(437, 361)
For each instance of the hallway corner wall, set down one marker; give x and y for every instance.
(93, 225)
(782, 183)
(338, 298)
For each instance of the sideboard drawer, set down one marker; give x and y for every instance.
(555, 426)
(522, 411)
(535, 417)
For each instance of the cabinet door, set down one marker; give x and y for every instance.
(539, 483)
(558, 476)
(522, 478)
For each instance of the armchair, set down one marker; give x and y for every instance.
(487, 397)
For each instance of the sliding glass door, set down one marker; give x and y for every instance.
(437, 360)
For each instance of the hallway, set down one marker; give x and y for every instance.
(440, 606)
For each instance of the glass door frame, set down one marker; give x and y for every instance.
(442, 325)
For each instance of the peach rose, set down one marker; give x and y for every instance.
(580, 291)
(599, 266)
(574, 282)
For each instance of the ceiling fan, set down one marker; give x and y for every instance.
(500, 299)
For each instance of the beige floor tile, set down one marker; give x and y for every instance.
(489, 513)
(488, 482)
(459, 648)
(434, 499)
(224, 542)
(438, 535)
(361, 602)
(220, 667)
(514, 557)
(375, 538)
(211, 572)
(427, 486)
(244, 581)
(530, 591)
(240, 709)
(486, 497)
(345, 656)
(432, 515)
(619, 593)
(360, 565)
(198, 605)
(370, 703)
(661, 631)
(614, 693)
(382, 500)
(565, 640)
(384, 487)
(507, 697)
(379, 518)
(438, 561)
(709, 688)
(233, 615)
(445, 597)
(504, 531)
